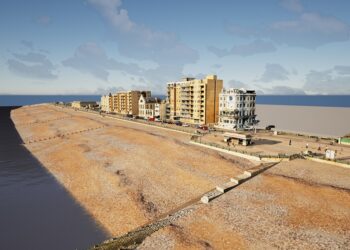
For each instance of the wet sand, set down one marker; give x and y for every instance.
(328, 121)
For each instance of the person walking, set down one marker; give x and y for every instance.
(307, 145)
(290, 142)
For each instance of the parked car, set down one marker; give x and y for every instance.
(185, 125)
(178, 123)
(203, 127)
(151, 119)
(270, 127)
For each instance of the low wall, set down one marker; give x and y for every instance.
(246, 154)
(338, 164)
(249, 157)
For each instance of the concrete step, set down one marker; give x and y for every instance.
(256, 171)
(226, 186)
(210, 196)
(240, 178)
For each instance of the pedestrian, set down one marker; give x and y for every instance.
(319, 147)
(290, 142)
(307, 145)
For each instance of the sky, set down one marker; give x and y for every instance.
(101, 46)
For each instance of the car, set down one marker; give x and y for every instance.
(203, 127)
(185, 125)
(178, 123)
(270, 127)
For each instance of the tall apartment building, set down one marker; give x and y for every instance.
(106, 103)
(237, 108)
(194, 101)
(127, 102)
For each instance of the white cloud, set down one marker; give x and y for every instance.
(282, 90)
(139, 42)
(107, 90)
(274, 72)
(342, 70)
(238, 84)
(32, 64)
(43, 20)
(310, 30)
(253, 48)
(328, 81)
(90, 58)
(292, 5)
(27, 44)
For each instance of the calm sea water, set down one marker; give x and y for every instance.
(36, 212)
(304, 100)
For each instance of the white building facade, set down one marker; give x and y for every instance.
(149, 107)
(236, 108)
(106, 103)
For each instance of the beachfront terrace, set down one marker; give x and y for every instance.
(267, 143)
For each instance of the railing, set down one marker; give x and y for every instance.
(212, 144)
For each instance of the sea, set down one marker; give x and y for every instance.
(293, 100)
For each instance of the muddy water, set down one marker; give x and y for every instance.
(35, 211)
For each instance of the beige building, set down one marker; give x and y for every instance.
(160, 110)
(148, 107)
(194, 101)
(106, 103)
(127, 102)
(83, 104)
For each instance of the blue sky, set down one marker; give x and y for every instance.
(97, 46)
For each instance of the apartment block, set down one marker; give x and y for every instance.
(194, 101)
(236, 108)
(127, 102)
